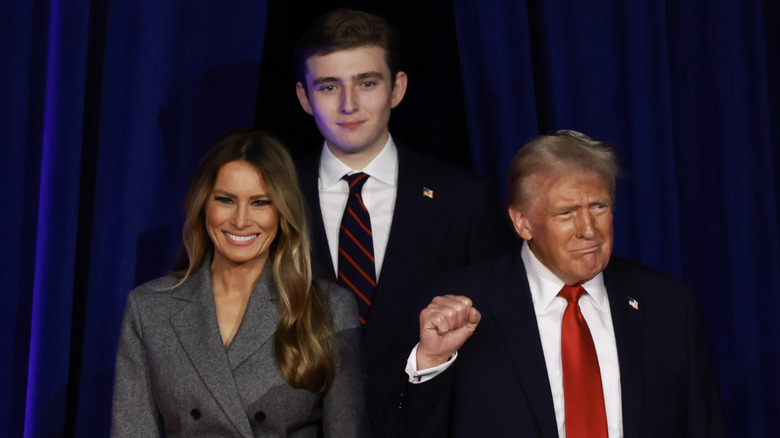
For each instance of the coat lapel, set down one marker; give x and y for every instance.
(197, 329)
(626, 307)
(515, 320)
(259, 323)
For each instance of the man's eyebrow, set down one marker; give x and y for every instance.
(560, 208)
(356, 78)
(325, 79)
(601, 200)
(605, 200)
(368, 75)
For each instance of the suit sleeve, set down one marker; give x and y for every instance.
(344, 406)
(134, 412)
(426, 406)
(705, 409)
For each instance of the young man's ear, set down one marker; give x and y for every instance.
(520, 222)
(399, 89)
(302, 97)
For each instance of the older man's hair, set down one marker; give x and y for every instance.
(561, 150)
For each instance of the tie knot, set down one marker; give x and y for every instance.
(355, 181)
(572, 294)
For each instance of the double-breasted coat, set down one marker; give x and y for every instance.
(175, 377)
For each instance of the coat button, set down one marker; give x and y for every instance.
(195, 414)
(259, 416)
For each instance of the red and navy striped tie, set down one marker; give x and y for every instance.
(356, 266)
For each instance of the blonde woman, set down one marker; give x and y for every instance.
(240, 340)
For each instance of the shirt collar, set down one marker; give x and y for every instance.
(545, 285)
(384, 167)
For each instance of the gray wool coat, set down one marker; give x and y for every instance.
(174, 377)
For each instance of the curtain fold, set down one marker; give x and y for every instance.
(57, 220)
(116, 107)
(22, 92)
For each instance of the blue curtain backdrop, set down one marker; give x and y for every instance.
(106, 108)
(688, 93)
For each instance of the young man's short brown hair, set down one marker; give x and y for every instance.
(344, 29)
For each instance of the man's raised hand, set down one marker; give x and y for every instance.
(445, 325)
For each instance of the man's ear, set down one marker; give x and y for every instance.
(399, 89)
(302, 97)
(520, 222)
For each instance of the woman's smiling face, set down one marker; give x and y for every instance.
(240, 217)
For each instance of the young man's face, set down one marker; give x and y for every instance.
(350, 94)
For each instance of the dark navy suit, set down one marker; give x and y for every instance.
(462, 224)
(499, 387)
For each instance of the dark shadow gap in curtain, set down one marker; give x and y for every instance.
(89, 158)
(771, 26)
(540, 66)
(772, 37)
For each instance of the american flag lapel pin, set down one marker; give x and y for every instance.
(428, 193)
(633, 303)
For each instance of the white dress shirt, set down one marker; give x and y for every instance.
(549, 308)
(378, 194)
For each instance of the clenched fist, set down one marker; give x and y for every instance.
(445, 325)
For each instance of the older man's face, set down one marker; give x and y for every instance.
(567, 222)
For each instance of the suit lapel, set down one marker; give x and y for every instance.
(197, 329)
(308, 175)
(515, 320)
(259, 323)
(628, 322)
(412, 216)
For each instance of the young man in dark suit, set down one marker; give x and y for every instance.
(568, 339)
(419, 217)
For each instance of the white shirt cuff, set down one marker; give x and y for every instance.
(425, 375)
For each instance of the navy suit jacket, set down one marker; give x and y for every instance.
(498, 386)
(462, 224)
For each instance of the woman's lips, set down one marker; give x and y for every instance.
(241, 239)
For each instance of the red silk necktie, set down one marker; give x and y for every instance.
(582, 392)
(356, 268)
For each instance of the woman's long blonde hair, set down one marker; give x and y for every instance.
(305, 333)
